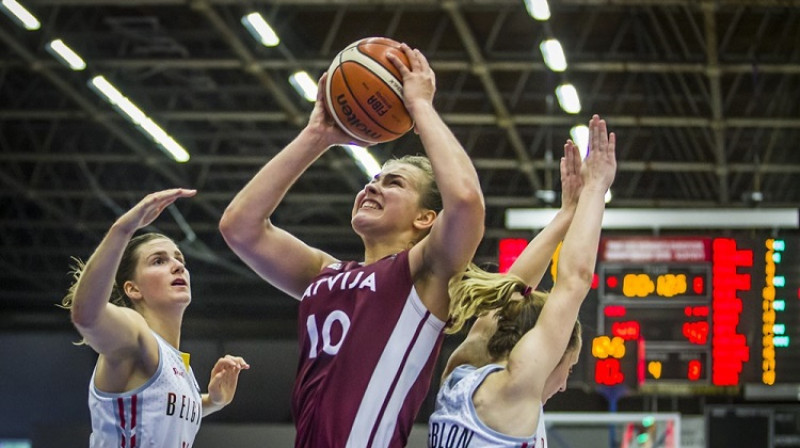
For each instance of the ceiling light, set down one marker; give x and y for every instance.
(132, 112)
(538, 9)
(580, 136)
(553, 55)
(20, 15)
(546, 196)
(364, 160)
(65, 55)
(305, 86)
(608, 196)
(109, 92)
(661, 218)
(568, 98)
(165, 140)
(260, 29)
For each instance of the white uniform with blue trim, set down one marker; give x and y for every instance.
(164, 412)
(455, 423)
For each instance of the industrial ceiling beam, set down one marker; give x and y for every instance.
(453, 119)
(503, 117)
(717, 125)
(420, 3)
(94, 113)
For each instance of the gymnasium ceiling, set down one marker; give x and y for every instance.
(704, 97)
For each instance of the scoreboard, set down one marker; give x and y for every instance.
(692, 314)
(697, 314)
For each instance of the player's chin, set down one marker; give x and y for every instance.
(184, 298)
(363, 224)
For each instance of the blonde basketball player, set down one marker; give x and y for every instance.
(143, 391)
(516, 358)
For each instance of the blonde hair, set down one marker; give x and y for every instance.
(430, 196)
(475, 292)
(516, 318)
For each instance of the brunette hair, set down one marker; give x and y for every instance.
(125, 271)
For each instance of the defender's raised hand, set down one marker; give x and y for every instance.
(600, 165)
(148, 209)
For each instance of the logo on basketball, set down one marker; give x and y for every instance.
(364, 92)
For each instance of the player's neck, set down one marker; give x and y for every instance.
(168, 327)
(379, 250)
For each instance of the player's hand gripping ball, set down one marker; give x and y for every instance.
(364, 92)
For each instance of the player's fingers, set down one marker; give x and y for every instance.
(238, 361)
(421, 60)
(398, 64)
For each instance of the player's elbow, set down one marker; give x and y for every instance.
(81, 316)
(577, 276)
(228, 223)
(236, 228)
(469, 206)
(472, 199)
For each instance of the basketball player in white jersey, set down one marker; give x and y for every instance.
(517, 357)
(369, 331)
(143, 391)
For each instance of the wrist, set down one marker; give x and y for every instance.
(317, 138)
(596, 188)
(568, 209)
(419, 106)
(123, 229)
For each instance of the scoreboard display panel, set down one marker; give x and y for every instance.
(697, 314)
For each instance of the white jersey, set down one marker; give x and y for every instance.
(456, 424)
(164, 412)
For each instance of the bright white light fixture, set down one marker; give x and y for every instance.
(608, 196)
(553, 55)
(111, 94)
(305, 86)
(580, 136)
(145, 124)
(65, 55)
(131, 111)
(260, 29)
(19, 14)
(568, 98)
(165, 140)
(538, 9)
(661, 218)
(364, 160)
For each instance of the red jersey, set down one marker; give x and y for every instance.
(368, 347)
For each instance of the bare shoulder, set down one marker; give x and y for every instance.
(502, 408)
(430, 285)
(130, 366)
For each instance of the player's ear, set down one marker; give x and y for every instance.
(131, 290)
(424, 219)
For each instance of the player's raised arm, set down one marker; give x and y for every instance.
(277, 256)
(533, 261)
(542, 348)
(456, 233)
(109, 329)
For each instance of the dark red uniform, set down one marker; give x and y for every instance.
(367, 351)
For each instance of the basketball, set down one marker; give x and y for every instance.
(364, 92)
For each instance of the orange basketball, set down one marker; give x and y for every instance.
(364, 92)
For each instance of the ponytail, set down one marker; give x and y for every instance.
(514, 319)
(475, 292)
